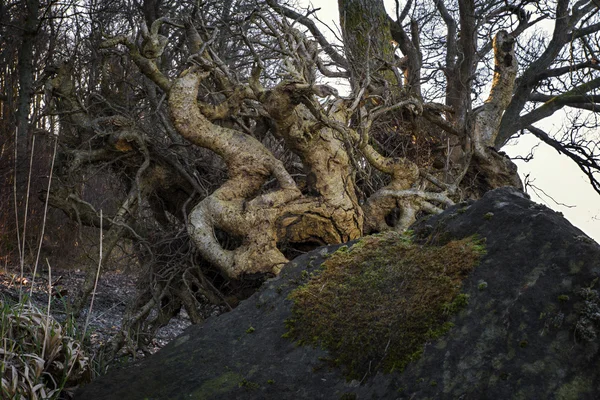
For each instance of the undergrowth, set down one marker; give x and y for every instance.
(375, 305)
(39, 359)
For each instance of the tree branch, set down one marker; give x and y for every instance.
(587, 163)
(486, 119)
(442, 123)
(414, 58)
(574, 99)
(400, 16)
(307, 22)
(451, 45)
(147, 66)
(527, 82)
(429, 196)
(556, 103)
(555, 72)
(524, 24)
(577, 33)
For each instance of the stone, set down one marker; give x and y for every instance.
(530, 329)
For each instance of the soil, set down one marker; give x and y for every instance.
(114, 291)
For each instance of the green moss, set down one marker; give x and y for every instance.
(376, 305)
(244, 383)
(576, 389)
(250, 329)
(220, 385)
(575, 267)
(342, 249)
(563, 298)
(457, 304)
(488, 216)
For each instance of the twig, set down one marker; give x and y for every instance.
(22, 252)
(87, 320)
(108, 310)
(529, 184)
(48, 308)
(21, 260)
(39, 250)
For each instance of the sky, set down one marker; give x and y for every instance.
(556, 175)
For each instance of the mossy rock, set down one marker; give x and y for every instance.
(529, 326)
(375, 305)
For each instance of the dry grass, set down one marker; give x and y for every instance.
(39, 359)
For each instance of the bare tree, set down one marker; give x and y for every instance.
(26, 44)
(231, 152)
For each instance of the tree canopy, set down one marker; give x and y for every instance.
(213, 140)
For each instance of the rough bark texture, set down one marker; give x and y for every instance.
(329, 214)
(26, 76)
(490, 169)
(529, 330)
(260, 202)
(368, 44)
(486, 119)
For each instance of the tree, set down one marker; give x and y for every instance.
(27, 40)
(232, 152)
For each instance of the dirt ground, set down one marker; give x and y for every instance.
(114, 291)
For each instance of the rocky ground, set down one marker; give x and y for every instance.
(114, 291)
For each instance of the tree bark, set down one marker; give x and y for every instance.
(368, 43)
(330, 215)
(26, 82)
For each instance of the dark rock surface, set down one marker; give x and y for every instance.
(530, 330)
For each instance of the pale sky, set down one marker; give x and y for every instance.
(555, 174)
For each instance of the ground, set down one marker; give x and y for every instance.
(114, 290)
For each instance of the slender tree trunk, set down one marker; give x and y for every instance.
(26, 81)
(25, 71)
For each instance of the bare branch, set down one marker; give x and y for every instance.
(486, 119)
(555, 72)
(537, 190)
(414, 58)
(451, 26)
(588, 163)
(327, 47)
(442, 123)
(562, 34)
(588, 30)
(429, 196)
(402, 15)
(146, 65)
(556, 103)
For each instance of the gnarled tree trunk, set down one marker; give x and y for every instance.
(329, 213)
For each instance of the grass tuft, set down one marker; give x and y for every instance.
(38, 359)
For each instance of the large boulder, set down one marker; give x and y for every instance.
(529, 331)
